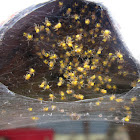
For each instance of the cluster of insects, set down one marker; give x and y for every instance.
(80, 47)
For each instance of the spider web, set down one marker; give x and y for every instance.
(18, 106)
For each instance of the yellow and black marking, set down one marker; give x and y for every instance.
(72, 53)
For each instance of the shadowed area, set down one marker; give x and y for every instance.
(73, 49)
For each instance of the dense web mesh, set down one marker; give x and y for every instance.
(64, 60)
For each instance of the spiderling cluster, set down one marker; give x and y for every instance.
(83, 56)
